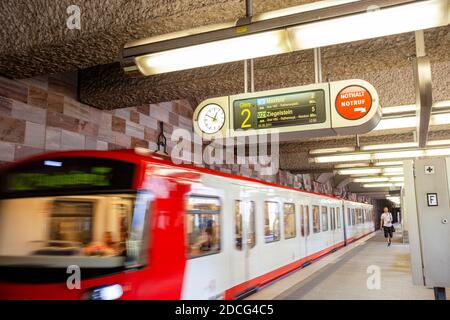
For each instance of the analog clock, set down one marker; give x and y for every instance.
(211, 118)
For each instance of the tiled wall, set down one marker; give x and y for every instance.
(43, 114)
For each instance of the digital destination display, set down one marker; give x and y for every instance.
(291, 109)
(67, 176)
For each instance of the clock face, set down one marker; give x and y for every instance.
(211, 118)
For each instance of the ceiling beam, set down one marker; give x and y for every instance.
(424, 100)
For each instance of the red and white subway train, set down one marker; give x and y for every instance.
(125, 225)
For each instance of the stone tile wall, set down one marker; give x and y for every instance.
(42, 114)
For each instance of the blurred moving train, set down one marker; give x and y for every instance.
(126, 225)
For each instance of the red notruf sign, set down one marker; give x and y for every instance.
(353, 102)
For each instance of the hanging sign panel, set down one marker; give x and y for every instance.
(342, 107)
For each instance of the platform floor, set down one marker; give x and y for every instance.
(343, 275)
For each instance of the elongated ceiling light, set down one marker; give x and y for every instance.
(390, 146)
(383, 155)
(411, 122)
(370, 171)
(377, 23)
(378, 179)
(399, 109)
(368, 164)
(383, 185)
(229, 50)
(341, 22)
(385, 174)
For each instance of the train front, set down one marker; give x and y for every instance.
(71, 228)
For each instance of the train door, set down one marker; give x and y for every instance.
(304, 230)
(244, 242)
(344, 224)
(333, 225)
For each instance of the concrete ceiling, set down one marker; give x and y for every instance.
(35, 41)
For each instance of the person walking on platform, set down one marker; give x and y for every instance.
(386, 225)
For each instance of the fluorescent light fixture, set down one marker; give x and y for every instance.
(389, 163)
(370, 171)
(351, 165)
(442, 104)
(383, 185)
(371, 24)
(393, 174)
(378, 185)
(367, 164)
(360, 171)
(390, 146)
(393, 170)
(372, 179)
(270, 34)
(398, 154)
(216, 52)
(343, 158)
(378, 179)
(440, 119)
(384, 156)
(436, 152)
(438, 142)
(396, 123)
(51, 163)
(331, 150)
(299, 9)
(413, 107)
(399, 109)
(393, 199)
(411, 122)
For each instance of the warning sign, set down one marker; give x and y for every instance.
(353, 102)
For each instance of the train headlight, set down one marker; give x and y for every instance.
(108, 292)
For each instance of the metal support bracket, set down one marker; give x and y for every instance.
(424, 99)
(162, 140)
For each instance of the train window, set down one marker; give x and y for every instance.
(304, 220)
(289, 221)
(203, 225)
(353, 217)
(333, 218)
(244, 212)
(100, 231)
(363, 215)
(324, 218)
(316, 219)
(271, 221)
(349, 217)
(338, 218)
(307, 228)
(359, 216)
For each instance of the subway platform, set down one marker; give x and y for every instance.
(344, 275)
